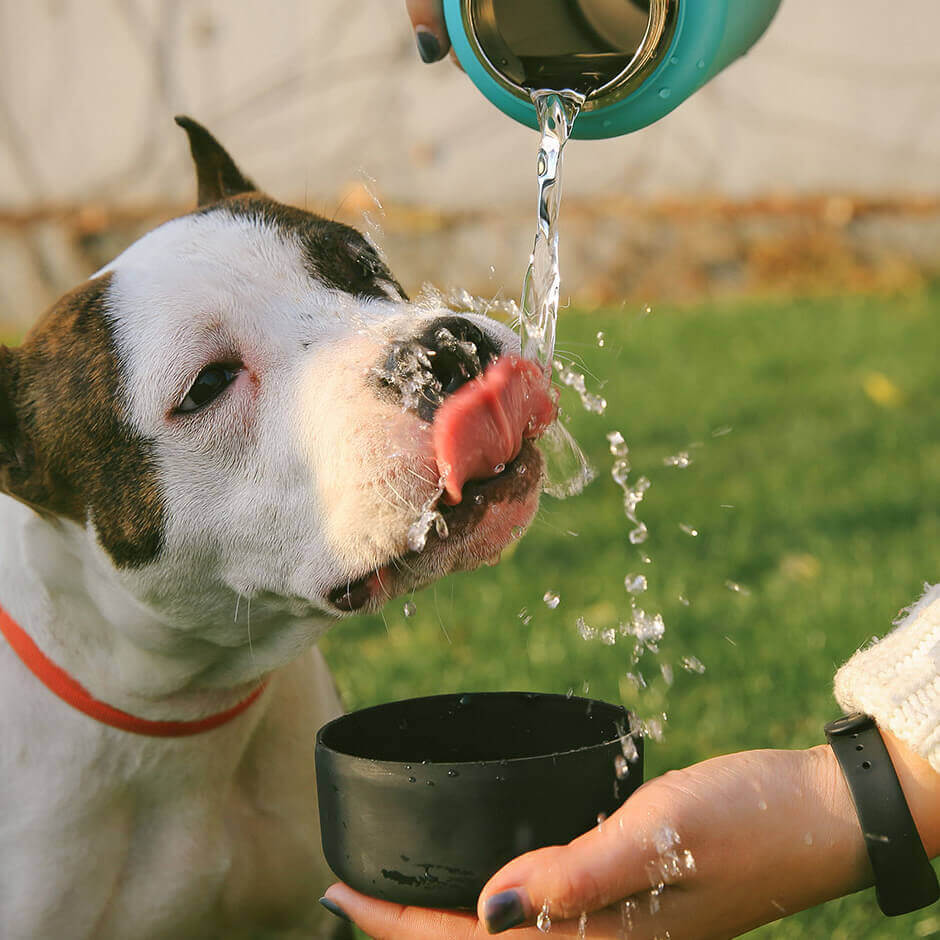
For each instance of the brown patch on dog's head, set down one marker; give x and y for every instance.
(217, 175)
(66, 446)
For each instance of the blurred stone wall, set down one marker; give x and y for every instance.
(812, 162)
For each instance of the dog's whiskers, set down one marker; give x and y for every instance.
(378, 578)
(415, 473)
(251, 650)
(404, 501)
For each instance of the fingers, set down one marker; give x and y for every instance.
(383, 920)
(598, 868)
(427, 17)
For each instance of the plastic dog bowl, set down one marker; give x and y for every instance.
(421, 801)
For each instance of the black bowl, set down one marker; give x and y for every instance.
(421, 801)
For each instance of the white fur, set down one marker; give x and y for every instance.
(296, 479)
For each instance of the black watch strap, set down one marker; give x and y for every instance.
(904, 878)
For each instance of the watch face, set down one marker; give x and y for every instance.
(849, 724)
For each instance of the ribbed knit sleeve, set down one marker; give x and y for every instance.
(897, 680)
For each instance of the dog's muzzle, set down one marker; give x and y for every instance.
(421, 372)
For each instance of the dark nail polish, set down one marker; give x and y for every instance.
(502, 911)
(429, 47)
(335, 909)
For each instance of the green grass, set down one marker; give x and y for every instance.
(834, 527)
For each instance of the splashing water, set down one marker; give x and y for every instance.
(551, 599)
(585, 631)
(618, 446)
(556, 111)
(635, 583)
(582, 926)
(680, 460)
(573, 379)
(409, 610)
(429, 516)
(544, 921)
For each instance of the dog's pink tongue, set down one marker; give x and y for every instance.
(480, 428)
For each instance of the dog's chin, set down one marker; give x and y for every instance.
(491, 514)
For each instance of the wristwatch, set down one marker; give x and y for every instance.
(904, 878)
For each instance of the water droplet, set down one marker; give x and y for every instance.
(618, 446)
(665, 92)
(808, 838)
(609, 636)
(543, 921)
(621, 767)
(736, 588)
(499, 468)
(680, 460)
(409, 609)
(569, 693)
(647, 310)
(639, 534)
(692, 664)
(600, 338)
(582, 926)
(520, 469)
(585, 631)
(517, 531)
(666, 671)
(637, 680)
(620, 471)
(722, 431)
(412, 780)
(525, 616)
(700, 64)
(464, 700)
(689, 530)
(628, 748)
(430, 783)
(635, 583)
(551, 599)
(453, 773)
(683, 600)
(601, 819)
(479, 499)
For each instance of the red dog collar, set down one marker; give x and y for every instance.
(62, 684)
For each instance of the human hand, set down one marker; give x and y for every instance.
(427, 17)
(735, 842)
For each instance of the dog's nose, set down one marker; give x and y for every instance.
(424, 370)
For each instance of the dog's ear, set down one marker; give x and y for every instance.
(216, 172)
(12, 453)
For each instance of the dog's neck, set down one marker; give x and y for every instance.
(59, 586)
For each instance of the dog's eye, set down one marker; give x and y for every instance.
(209, 384)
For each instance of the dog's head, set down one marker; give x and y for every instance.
(244, 403)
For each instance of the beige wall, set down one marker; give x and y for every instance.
(841, 95)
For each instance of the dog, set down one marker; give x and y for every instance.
(234, 435)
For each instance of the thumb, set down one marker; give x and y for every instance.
(427, 17)
(606, 864)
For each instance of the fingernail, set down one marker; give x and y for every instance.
(502, 911)
(429, 46)
(335, 909)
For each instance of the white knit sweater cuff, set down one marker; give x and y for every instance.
(897, 680)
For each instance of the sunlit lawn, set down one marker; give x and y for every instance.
(822, 502)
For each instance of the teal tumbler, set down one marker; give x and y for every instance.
(633, 60)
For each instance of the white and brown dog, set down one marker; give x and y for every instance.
(209, 453)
